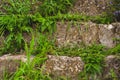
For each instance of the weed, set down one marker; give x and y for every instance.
(43, 24)
(15, 7)
(92, 56)
(43, 45)
(93, 65)
(28, 69)
(13, 27)
(53, 7)
(115, 50)
(113, 75)
(100, 19)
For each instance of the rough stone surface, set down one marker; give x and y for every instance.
(67, 33)
(10, 63)
(72, 33)
(64, 66)
(8, 67)
(89, 32)
(90, 7)
(106, 35)
(112, 67)
(61, 66)
(55, 65)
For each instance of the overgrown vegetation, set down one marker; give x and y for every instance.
(53, 7)
(37, 19)
(31, 68)
(93, 57)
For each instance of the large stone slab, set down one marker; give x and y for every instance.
(64, 66)
(72, 33)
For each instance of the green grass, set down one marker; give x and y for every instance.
(99, 19)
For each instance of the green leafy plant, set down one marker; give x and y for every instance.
(43, 45)
(104, 19)
(113, 75)
(52, 7)
(16, 20)
(13, 27)
(99, 19)
(44, 24)
(92, 56)
(115, 50)
(28, 69)
(16, 7)
(93, 66)
(78, 51)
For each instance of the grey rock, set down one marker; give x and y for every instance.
(106, 35)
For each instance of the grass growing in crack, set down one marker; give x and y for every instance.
(31, 69)
(53, 7)
(93, 57)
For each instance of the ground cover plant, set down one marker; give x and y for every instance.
(38, 18)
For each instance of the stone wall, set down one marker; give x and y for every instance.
(72, 33)
(60, 66)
